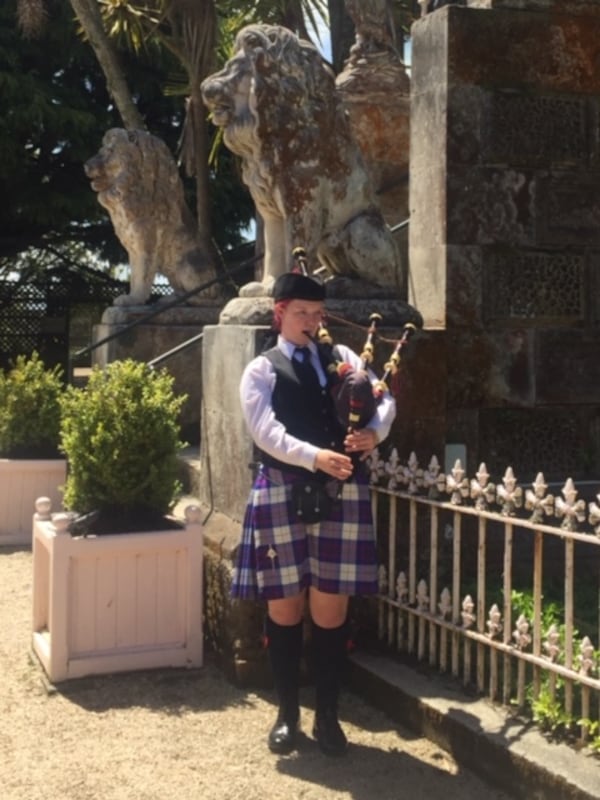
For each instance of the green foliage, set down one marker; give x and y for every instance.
(548, 713)
(56, 106)
(30, 398)
(547, 709)
(593, 731)
(522, 603)
(299, 16)
(121, 438)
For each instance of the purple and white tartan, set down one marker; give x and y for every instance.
(279, 557)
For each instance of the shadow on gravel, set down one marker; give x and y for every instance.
(368, 773)
(171, 691)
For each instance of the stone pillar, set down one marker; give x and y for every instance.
(227, 450)
(505, 226)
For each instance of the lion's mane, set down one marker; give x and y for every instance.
(293, 92)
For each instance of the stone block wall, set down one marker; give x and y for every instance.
(505, 232)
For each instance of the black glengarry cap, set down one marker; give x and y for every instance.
(295, 286)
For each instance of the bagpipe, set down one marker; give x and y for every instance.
(354, 394)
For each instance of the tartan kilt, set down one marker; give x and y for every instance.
(279, 556)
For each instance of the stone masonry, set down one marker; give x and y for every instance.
(505, 234)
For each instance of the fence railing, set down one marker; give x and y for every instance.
(495, 584)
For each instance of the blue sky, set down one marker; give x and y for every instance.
(323, 33)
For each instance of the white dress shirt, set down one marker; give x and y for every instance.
(270, 435)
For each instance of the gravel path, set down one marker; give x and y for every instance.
(187, 735)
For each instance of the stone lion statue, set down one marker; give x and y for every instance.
(138, 183)
(277, 104)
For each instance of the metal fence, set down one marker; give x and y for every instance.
(41, 313)
(496, 584)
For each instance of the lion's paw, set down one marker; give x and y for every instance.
(128, 300)
(256, 289)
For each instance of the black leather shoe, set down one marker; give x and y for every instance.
(282, 736)
(329, 735)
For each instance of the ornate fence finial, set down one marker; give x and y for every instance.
(394, 470)
(594, 515)
(494, 622)
(376, 467)
(413, 476)
(434, 480)
(537, 501)
(510, 495)
(382, 579)
(401, 588)
(445, 604)
(422, 595)
(586, 656)
(521, 633)
(482, 491)
(552, 643)
(570, 509)
(456, 484)
(468, 606)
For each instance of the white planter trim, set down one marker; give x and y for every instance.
(21, 482)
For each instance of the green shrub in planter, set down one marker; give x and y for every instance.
(120, 435)
(30, 409)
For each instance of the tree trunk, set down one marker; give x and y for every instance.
(201, 147)
(88, 14)
(293, 18)
(342, 33)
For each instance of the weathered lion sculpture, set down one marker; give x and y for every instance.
(277, 104)
(138, 183)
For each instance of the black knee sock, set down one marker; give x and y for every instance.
(285, 652)
(330, 651)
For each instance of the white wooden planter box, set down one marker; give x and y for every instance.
(116, 603)
(21, 482)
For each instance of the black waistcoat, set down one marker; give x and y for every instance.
(305, 408)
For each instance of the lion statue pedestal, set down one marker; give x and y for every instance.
(346, 298)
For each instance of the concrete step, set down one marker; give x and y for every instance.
(80, 376)
(189, 470)
(503, 749)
